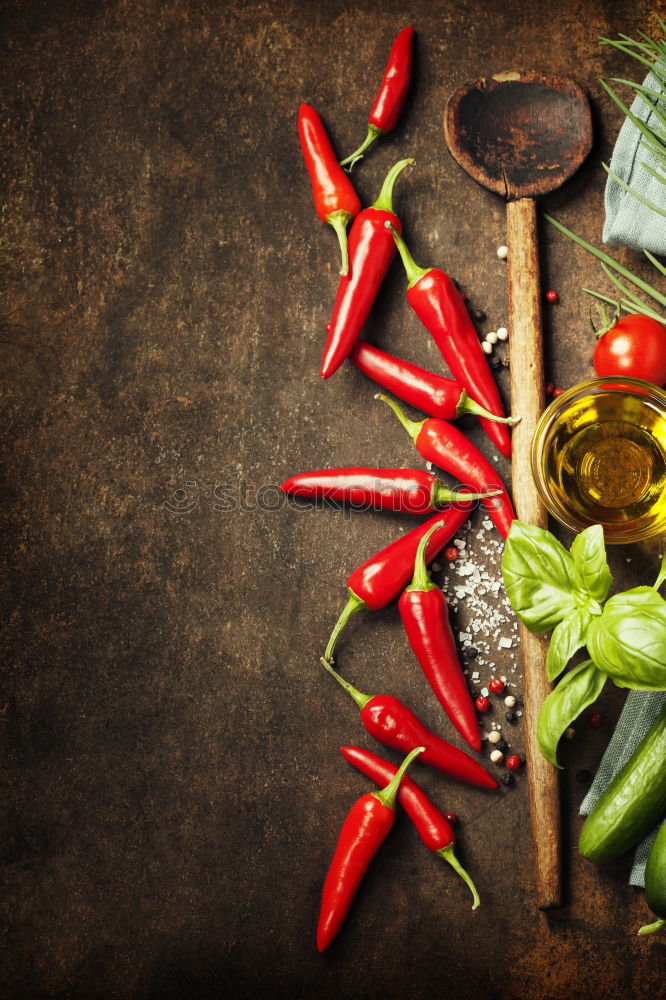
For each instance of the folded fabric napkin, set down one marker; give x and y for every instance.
(640, 709)
(629, 222)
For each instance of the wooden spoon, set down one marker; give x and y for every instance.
(522, 135)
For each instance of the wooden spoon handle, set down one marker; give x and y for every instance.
(527, 401)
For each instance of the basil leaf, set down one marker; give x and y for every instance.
(577, 689)
(567, 638)
(628, 640)
(590, 567)
(538, 576)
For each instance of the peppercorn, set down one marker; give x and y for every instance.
(495, 736)
(452, 818)
(595, 719)
(451, 553)
(474, 692)
(510, 716)
(497, 756)
(479, 315)
(509, 701)
(502, 333)
(507, 779)
(514, 762)
(552, 296)
(486, 347)
(557, 392)
(472, 652)
(482, 703)
(549, 388)
(502, 745)
(491, 337)
(502, 252)
(495, 363)
(496, 685)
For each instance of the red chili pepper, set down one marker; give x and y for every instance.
(396, 726)
(425, 616)
(335, 200)
(439, 305)
(381, 578)
(371, 251)
(405, 491)
(365, 829)
(390, 99)
(445, 446)
(431, 824)
(432, 394)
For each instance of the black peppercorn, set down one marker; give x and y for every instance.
(507, 779)
(479, 315)
(495, 362)
(502, 745)
(510, 716)
(472, 653)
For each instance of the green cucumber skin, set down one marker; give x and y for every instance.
(655, 874)
(634, 801)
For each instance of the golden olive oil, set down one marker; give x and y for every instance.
(607, 463)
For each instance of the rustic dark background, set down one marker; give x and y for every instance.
(172, 786)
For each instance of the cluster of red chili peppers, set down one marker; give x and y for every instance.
(367, 253)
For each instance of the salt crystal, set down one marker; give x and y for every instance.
(505, 643)
(475, 675)
(484, 692)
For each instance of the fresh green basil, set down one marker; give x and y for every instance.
(590, 567)
(567, 638)
(628, 640)
(539, 577)
(578, 688)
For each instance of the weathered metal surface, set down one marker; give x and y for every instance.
(173, 786)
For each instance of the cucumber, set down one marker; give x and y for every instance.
(634, 801)
(655, 882)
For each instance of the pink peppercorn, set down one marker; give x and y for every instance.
(595, 719)
(495, 685)
(482, 703)
(514, 763)
(451, 554)
(452, 818)
(552, 296)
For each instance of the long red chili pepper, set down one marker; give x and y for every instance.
(432, 394)
(371, 251)
(335, 200)
(431, 824)
(390, 98)
(425, 616)
(439, 305)
(393, 724)
(380, 579)
(445, 446)
(363, 832)
(405, 491)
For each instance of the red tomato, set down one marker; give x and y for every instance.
(634, 347)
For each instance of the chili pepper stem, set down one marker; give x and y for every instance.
(360, 699)
(411, 426)
(652, 928)
(421, 579)
(353, 605)
(340, 220)
(349, 161)
(449, 854)
(384, 201)
(443, 495)
(387, 795)
(468, 405)
(414, 272)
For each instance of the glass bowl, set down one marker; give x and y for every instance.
(599, 457)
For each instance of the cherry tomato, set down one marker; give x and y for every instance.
(634, 347)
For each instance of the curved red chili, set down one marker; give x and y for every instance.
(445, 446)
(405, 491)
(336, 201)
(371, 251)
(363, 832)
(396, 726)
(431, 824)
(425, 616)
(391, 96)
(432, 394)
(380, 579)
(439, 305)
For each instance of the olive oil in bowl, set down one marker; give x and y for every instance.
(599, 457)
